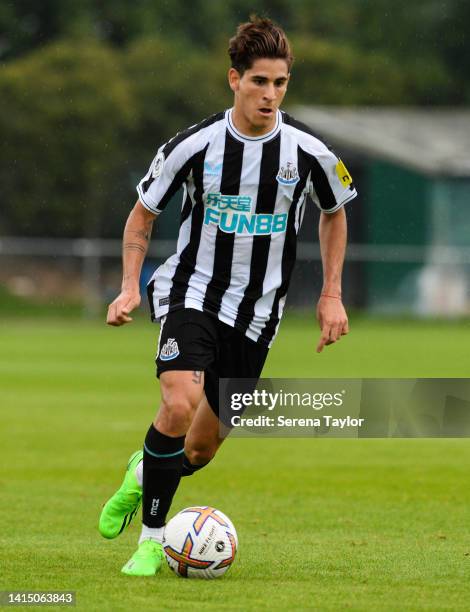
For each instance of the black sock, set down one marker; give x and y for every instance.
(163, 460)
(189, 468)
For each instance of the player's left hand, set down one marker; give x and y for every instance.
(332, 319)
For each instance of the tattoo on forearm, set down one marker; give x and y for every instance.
(143, 234)
(197, 377)
(134, 246)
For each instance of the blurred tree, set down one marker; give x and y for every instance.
(65, 121)
(428, 38)
(455, 50)
(174, 86)
(425, 39)
(28, 24)
(338, 74)
(82, 117)
(327, 72)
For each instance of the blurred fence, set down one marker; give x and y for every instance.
(435, 279)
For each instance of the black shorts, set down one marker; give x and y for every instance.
(194, 340)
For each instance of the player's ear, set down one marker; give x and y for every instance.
(234, 79)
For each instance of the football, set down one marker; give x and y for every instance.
(200, 542)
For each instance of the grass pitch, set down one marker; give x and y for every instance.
(323, 524)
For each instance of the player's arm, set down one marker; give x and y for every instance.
(331, 314)
(163, 179)
(136, 239)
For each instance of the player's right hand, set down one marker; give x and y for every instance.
(123, 305)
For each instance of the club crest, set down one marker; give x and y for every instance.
(157, 165)
(288, 175)
(169, 350)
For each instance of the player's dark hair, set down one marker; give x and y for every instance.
(258, 38)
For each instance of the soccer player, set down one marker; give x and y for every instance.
(246, 174)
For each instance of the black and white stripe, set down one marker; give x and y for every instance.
(235, 271)
(265, 203)
(191, 237)
(289, 251)
(224, 242)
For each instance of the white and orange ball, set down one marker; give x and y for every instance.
(200, 542)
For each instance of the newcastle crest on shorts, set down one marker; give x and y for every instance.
(288, 175)
(169, 350)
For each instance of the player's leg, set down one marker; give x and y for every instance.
(187, 344)
(240, 366)
(165, 446)
(237, 357)
(181, 392)
(203, 439)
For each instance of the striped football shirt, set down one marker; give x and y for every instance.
(242, 208)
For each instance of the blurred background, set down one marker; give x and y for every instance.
(90, 89)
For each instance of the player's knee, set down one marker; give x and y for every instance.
(200, 455)
(175, 416)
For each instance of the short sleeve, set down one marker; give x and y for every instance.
(165, 176)
(331, 185)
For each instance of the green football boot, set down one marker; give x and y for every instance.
(121, 508)
(146, 561)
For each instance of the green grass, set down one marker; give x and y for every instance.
(323, 524)
(15, 306)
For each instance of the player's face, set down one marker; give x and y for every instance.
(258, 95)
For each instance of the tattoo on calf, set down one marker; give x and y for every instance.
(197, 377)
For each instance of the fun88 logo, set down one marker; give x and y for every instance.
(233, 215)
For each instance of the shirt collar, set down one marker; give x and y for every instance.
(239, 136)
